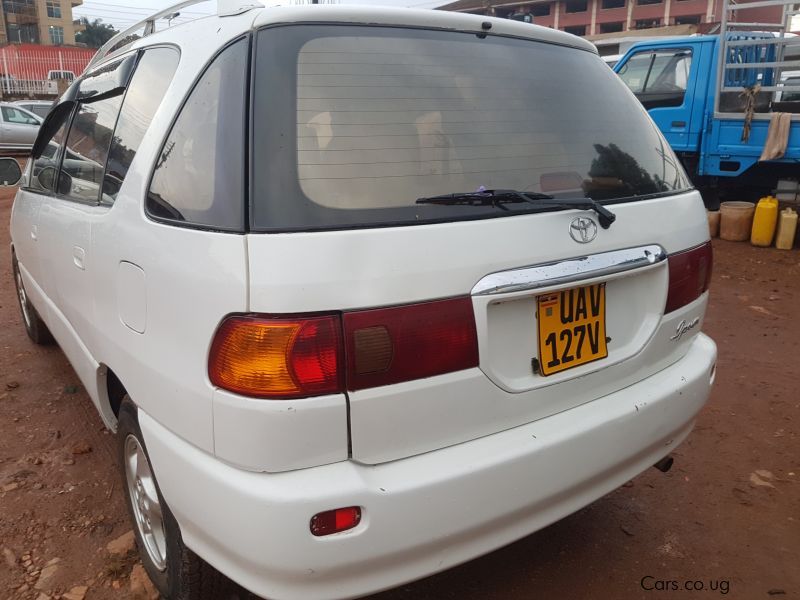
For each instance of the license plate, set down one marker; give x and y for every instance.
(572, 328)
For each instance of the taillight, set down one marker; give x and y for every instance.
(689, 276)
(390, 345)
(280, 358)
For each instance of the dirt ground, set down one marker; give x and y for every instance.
(726, 519)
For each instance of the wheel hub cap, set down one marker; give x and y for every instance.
(147, 512)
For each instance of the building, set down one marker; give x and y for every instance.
(608, 17)
(47, 22)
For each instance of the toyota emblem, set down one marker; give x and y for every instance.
(583, 230)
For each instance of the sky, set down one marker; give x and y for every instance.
(124, 13)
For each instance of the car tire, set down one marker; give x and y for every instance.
(176, 571)
(34, 325)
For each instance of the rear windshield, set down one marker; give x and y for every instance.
(353, 124)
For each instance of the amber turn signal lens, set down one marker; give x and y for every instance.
(280, 358)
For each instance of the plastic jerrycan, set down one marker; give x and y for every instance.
(787, 227)
(764, 222)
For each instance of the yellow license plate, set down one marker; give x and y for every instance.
(572, 328)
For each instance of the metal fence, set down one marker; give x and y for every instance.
(36, 72)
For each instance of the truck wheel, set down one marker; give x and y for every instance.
(34, 326)
(177, 572)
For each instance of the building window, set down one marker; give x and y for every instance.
(612, 4)
(576, 30)
(688, 20)
(575, 6)
(20, 7)
(645, 2)
(540, 10)
(611, 27)
(56, 35)
(53, 9)
(647, 23)
(22, 34)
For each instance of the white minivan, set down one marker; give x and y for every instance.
(364, 292)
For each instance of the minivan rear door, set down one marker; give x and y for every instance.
(359, 135)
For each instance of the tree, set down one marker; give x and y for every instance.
(95, 33)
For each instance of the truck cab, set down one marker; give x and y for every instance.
(714, 98)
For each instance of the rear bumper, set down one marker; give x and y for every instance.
(426, 513)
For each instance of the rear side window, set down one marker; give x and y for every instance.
(145, 92)
(353, 124)
(199, 175)
(87, 148)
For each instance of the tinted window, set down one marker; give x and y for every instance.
(46, 166)
(353, 124)
(87, 148)
(145, 92)
(199, 176)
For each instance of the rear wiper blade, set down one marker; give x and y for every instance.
(484, 198)
(499, 197)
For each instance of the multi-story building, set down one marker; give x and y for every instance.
(595, 17)
(46, 22)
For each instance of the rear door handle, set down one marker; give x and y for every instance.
(78, 256)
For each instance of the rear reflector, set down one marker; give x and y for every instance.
(390, 345)
(335, 521)
(280, 358)
(689, 276)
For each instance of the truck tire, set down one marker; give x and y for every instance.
(34, 326)
(176, 571)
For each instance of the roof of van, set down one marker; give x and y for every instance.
(370, 15)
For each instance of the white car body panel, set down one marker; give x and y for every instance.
(430, 512)
(123, 293)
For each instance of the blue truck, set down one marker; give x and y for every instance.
(714, 96)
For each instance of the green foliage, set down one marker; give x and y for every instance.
(95, 33)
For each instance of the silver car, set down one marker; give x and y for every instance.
(18, 127)
(38, 107)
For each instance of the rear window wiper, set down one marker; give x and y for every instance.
(484, 198)
(499, 197)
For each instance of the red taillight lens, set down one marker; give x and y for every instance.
(281, 358)
(390, 345)
(689, 276)
(277, 358)
(334, 521)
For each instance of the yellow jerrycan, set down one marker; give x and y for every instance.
(764, 222)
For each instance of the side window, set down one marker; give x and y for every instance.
(17, 117)
(45, 168)
(634, 72)
(660, 71)
(670, 72)
(145, 92)
(87, 149)
(199, 175)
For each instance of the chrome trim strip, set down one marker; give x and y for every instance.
(568, 271)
